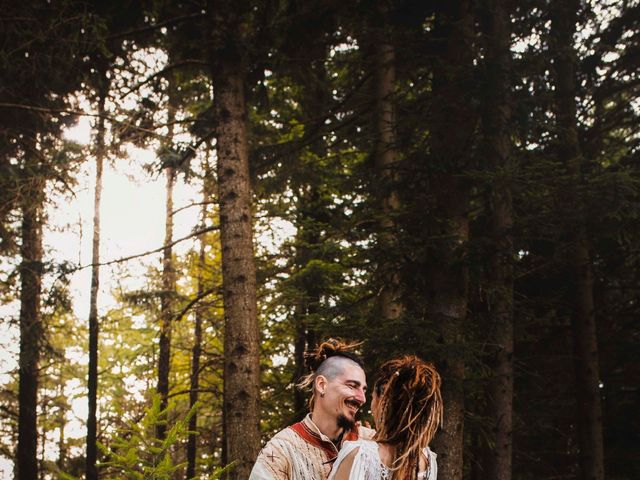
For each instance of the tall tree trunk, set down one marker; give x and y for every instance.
(91, 471)
(308, 241)
(389, 304)
(299, 347)
(167, 298)
(166, 304)
(589, 409)
(305, 339)
(196, 351)
(242, 336)
(311, 209)
(451, 130)
(497, 115)
(31, 331)
(62, 423)
(44, 406)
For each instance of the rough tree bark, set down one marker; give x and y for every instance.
(589, 408)
(31, 331)
(91, 471)
(499, 273)
(242, 336)
(451, 129)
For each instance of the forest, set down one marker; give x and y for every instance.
(453, 179)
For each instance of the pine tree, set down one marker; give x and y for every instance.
(167, 301)
(241, 336)
(94, 324)
(31, 330)
(499, 224)
(450, 138)
(589, 411)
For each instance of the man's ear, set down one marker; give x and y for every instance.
(321, 383)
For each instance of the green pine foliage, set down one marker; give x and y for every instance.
(136, 454)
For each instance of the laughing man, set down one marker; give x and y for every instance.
(306, 450)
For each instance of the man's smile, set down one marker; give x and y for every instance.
(352, 405)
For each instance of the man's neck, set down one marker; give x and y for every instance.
(326, 424)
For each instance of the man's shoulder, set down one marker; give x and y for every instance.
(285, 435)
(283, 453)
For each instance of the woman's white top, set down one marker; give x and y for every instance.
(368, 466)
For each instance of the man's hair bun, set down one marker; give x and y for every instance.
(331, 347)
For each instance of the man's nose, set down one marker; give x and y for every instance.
(360, 396)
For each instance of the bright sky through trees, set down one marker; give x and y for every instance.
(132, 218)
(132, 222)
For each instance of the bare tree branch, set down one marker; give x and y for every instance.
(193, 204)
(143, 254)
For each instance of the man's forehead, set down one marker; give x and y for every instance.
(339, 368)
(353, 372)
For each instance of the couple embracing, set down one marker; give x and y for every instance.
(330, 444)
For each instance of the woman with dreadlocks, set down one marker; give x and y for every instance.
(407, 409)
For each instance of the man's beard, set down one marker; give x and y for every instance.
(345, 423)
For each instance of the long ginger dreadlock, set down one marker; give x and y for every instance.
(325, 360)
(411, 410)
